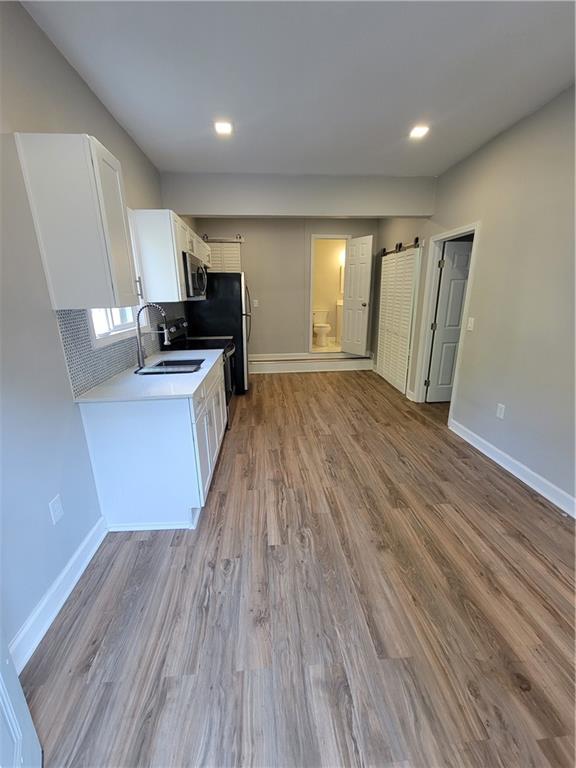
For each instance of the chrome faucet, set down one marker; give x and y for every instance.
(141, 356)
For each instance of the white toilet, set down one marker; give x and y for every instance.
(320, 327)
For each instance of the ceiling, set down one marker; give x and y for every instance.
(315, 87)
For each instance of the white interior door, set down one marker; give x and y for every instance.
(397, 291)
(19, 745)
(357, 284)
(455, 265)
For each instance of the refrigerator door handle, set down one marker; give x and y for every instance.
(248, 312)
(245, 337)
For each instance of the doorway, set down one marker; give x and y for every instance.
(448, 311)
(327, 293)
(340, 290)
(444, 321)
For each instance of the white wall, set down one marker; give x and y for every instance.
(520, 187)
(276, 259)
(43, 448)
(268, 195)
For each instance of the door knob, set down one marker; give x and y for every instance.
(364, 304)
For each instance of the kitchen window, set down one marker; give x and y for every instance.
(108, 325)
(111, 325)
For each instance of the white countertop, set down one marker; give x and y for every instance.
(131, 386)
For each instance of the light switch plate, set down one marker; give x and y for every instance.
(56, 509)
(470, 324)
(500, 409)
(255, 303)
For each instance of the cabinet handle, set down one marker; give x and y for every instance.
(139, 291)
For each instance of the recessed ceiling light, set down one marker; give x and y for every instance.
(419, 131)
(223, 128)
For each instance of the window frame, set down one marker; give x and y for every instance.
(118, 333)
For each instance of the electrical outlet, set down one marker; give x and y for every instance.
(470, 324)
(500, 408)
(56, 509)
(255, 303)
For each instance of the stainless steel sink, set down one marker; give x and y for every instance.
(170, 366)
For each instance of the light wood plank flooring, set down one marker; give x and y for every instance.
(363, 589)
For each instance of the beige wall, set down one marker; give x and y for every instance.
(326, 277)
(241, 195)
(276, 260)
(43, 450)
(400, 230)
(42, 93)
(520, 187)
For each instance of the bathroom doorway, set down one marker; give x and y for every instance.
(328, 260)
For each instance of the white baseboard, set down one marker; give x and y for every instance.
(36, 625)
(308, 362)
(544, 487)
(301, 356)
(160, 526)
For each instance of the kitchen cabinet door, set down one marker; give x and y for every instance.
(220, 412)
(76, 195)
(204, 252)
(213, 431)
(203, 442)
(180, 236)
(108, 174)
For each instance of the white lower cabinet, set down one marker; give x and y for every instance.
(153, 460)
(209, 427)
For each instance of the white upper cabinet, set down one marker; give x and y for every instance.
(78, 206)
(161, 238)
(202, 251)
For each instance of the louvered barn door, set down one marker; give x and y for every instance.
(397, 288)
(216, 257)
(231, 257)
(225, 257)
(386, 325)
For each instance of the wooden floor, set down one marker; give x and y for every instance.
(363, 588)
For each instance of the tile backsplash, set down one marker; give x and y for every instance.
(87, 366)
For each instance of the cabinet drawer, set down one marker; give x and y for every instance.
(215, 376)
(202, 394)
(198, 401)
